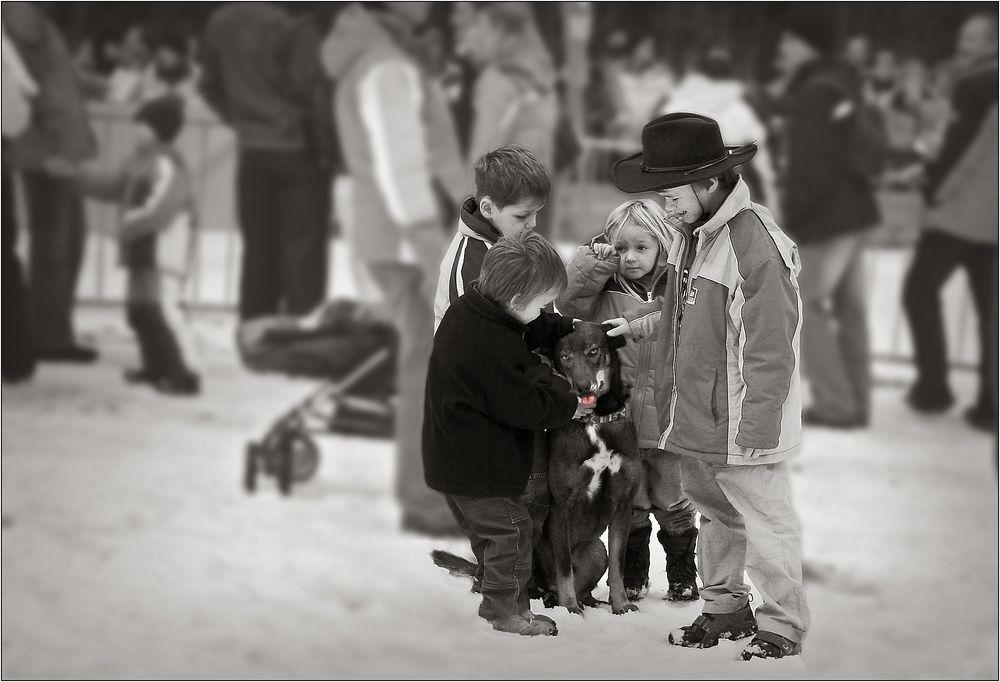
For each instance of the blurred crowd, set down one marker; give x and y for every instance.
(404, 97)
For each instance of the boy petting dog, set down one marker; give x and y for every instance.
(727, 380)
(487, 398)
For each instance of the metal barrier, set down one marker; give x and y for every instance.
(582, 202)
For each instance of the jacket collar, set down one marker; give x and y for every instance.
(491, 311)
(738, 200)
(471, 223)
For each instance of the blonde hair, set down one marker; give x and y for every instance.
(645, 214)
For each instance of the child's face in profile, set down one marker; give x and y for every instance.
(682, 205)
(512, 219)
(637, 251)
(529, 310)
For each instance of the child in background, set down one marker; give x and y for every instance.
(487, 397)
(156, 208)
(620, 271)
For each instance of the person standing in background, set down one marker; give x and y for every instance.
(828, 207)
(961, 230)
(59, 128)
(282, 189)
(401, 152)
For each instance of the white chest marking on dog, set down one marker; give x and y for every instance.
(600, 460)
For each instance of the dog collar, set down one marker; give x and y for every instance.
(604, 418)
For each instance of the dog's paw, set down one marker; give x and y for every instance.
(628, 606)
(575, 609)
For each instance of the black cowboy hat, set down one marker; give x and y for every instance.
(678, 149)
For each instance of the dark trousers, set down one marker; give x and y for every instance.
(159, 349)
(283, 206)
(56, 225)
(937, 256)
(500, 532)
(18, 353)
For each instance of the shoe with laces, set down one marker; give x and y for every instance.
(709, 628)
(526, 624)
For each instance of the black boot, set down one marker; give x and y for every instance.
(681, 571)
(636, 569)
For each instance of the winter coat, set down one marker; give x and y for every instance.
(963, 181)
(246, 77)
(464, 259)
(60, 125)
(727, 357)
(596, 293)
(515, 103)
(397, 140)
(487, 397)
(825, 197)
(725, 101)
(965, 202)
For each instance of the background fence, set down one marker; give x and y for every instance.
(581, 203)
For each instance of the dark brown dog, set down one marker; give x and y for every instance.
(593, 474)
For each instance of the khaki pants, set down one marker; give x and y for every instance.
(748, 523)
(659, 491)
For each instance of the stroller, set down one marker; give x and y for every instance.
(355, 355)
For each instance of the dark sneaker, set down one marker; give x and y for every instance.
(635, 572)
(709, 628)
(770, 645)
(682, 573)
(185, 385)
(527, 626)
(929, 402)
(73, 353)
(982, 419)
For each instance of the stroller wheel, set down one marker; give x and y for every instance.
(299, 458)
(250, 468)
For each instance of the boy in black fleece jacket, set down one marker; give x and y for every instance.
(487, 396)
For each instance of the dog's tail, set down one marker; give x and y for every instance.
(455, 565)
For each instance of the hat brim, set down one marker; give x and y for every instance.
(628, 176)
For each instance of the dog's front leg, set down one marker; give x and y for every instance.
(561, 554)
(617, 538)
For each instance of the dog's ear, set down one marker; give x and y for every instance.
(614, 342)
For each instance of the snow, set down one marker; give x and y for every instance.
(131, 551)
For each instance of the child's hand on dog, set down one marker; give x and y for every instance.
(620, 327)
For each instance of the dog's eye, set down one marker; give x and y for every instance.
(592, 352)
(564, 357)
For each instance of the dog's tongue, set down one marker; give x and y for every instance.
(588, 400)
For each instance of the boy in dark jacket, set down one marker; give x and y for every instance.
(487, 396)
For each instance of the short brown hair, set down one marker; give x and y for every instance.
(522, 266)
(509, 175)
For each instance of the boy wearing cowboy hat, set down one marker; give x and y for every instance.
(727, 387)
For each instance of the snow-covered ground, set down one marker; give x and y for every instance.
(131, 551)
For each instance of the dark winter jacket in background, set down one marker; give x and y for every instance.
(246, 76)
(825, 197)
(487, 397)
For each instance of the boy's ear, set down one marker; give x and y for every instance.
(486, 207)
(614, 342)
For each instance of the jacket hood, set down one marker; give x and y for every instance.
(355, 32)
(697, 92)
(471, 223)
(491, 311)
(738, 200)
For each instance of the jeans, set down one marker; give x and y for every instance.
(283, 205)
(56, 224)
(499, 530)
(659, 491)
(152, 313)
(937, 256)
(748, 524)
(835, 347)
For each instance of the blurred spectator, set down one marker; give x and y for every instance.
(962, 192)
(132, 74)
(18, 90)
(643, 85)
(828, 206)
(515, 100)
(152, 189)
(282, 188)
(858, 53)
(712, 89)
(170, 70)
(59, 128)
(881, 80)
(400, 149)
